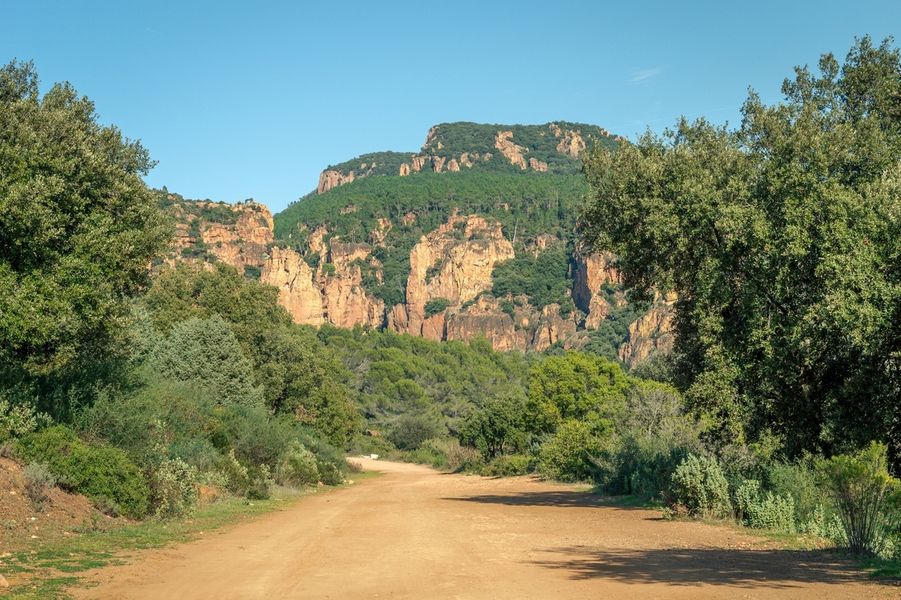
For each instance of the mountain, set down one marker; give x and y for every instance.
(474, 235)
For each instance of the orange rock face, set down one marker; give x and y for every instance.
(485, 319)
(552, 328)
(289, 272)
(242, 241)
(591, 274)
(571, 142)
(334, 295)
(453, 262)
(503, 141)
(650, 333)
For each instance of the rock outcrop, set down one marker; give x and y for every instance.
(650, 333)
(484, 318)
(236, 234)
(592, 273)
(453, 263)
(334, 292)
(552, 328)
(571, 142)
(329, 179)
(301, 297)
(503, 141)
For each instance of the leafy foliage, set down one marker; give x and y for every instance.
(78, 227)
(206, 352)
(700, 486)
(99, 472)
(497, 428)
(435, 306)
(867, 497)
(575, 386)
(544, 278)
(781, 241)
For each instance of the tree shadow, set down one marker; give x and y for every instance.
(711, 566)
(559, 499)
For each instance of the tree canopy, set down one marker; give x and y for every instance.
(78, 227)
(781, 238)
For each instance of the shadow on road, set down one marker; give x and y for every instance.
(692, 566)
(557, 499)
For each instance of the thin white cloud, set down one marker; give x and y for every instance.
(645, 74)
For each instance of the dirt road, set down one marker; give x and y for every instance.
(417, 533)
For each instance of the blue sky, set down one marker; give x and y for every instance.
(253, 99)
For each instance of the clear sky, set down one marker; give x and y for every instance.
(253, 99)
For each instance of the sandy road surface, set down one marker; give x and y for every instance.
(417, 533)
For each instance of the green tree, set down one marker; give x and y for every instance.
(78, 227)
(781, 239)
(205, 351)
(497, 427)
(575, 386)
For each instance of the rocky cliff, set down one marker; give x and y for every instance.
(206, 232)
(387, 240)
(452, 147)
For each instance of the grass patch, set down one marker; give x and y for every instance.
(45, 572)
(883, 569)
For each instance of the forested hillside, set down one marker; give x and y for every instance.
(473, 237)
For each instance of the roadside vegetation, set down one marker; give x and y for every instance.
(778, 408)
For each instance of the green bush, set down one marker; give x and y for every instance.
(92, 470)
(206, 352)
(497, 428)
(509, 465)
(797, 480)
(654, 437)
(260, 483)
(38, 483)
(699, 485)
(330, 473)
(18, 419)
(567, 455)
(411, 430)
(236, 476)
(173, 489)
(769, 511)
(297, 467)
(824, 524)
(867, 498)
(435, 306)
(453, 456)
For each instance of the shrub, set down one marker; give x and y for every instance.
(173, 489)
(206, 351)
(508, 465)
(825, 525)
(330, 473)
(260, 484)
(771, 511)
(435, 306)
(567, 455)
(237, 479)
(497, 427)
(699, 485)
(95, 471)
(655, 436)
(455, 457)
(38, 483)
(297, 467)
(18, 419)
(865, 495)
(797, 480)
(411, 430)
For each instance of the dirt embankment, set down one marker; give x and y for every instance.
(416, 533)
